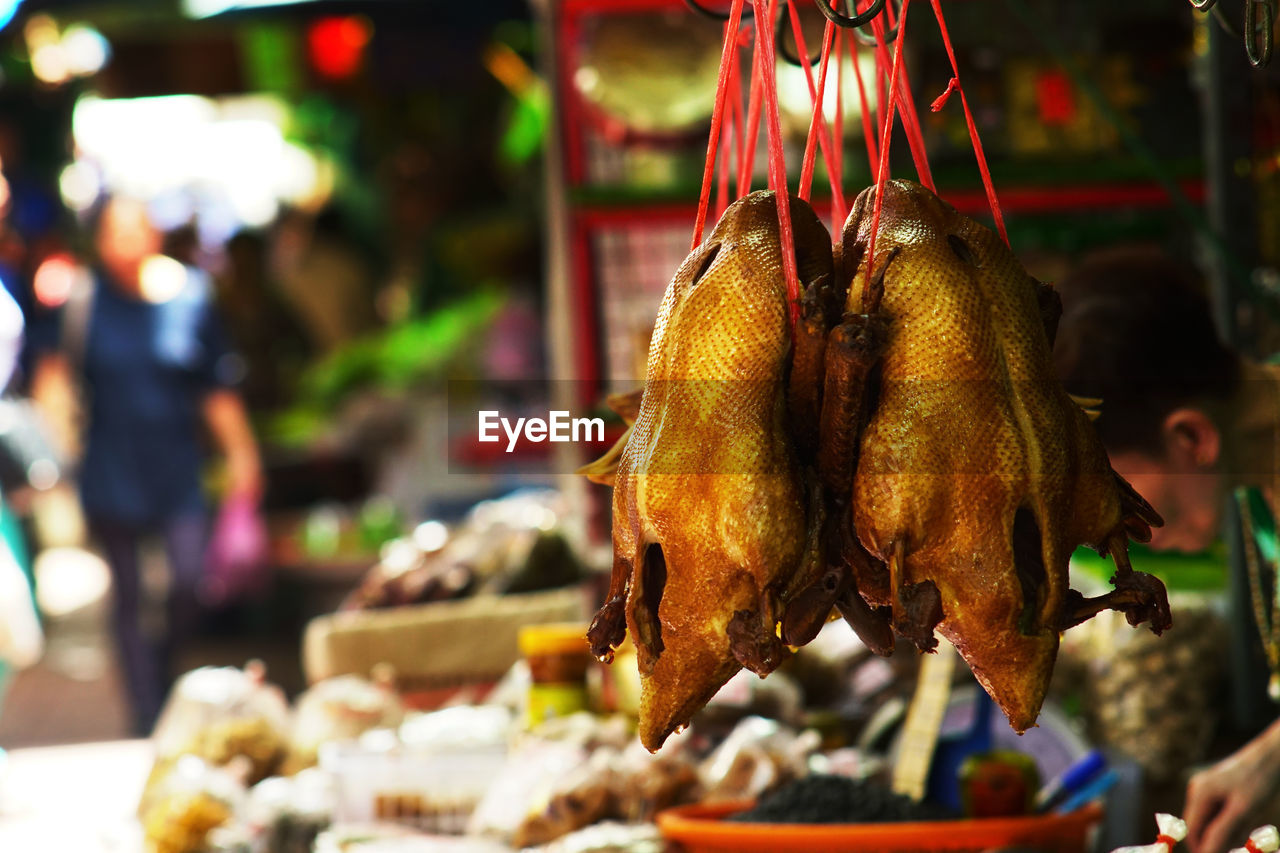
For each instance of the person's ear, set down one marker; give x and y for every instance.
(1191, 439)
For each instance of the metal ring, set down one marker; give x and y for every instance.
(747, 11)
(890, 34)
(1203, 5)
(1259, 55)
(854, 21)
(792, 57)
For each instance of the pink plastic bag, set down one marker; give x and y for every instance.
(236, 559)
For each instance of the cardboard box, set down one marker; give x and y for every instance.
(438, 648)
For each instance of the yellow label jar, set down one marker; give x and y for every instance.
(558, 656)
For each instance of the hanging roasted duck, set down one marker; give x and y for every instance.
(906, 457)
(709, 508)
(977, 475)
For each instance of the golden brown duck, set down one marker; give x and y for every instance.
(709, 512)
(977, 475)
(906, 456)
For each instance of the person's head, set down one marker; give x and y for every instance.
(1138, 332)
(124, 236)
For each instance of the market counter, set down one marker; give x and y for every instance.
(81, 797)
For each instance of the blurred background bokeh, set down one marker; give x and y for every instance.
(361, 182)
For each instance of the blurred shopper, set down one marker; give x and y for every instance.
(21, 639)
(1189, 423)
(263, 330)
(135, 366)
(325, 277)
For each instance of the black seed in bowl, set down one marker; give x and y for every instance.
(836, 799)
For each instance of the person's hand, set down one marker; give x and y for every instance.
(1228, 800)
(244, 476)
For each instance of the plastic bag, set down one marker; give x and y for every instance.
(1264, 839)
(1172, 830)
(338, 709)
(758, 755)
(236, 558)
(217, 714)
(194, 799)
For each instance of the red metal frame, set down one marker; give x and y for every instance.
(1020, 199)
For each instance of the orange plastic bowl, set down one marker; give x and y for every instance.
(701, 829)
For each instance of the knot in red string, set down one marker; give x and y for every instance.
(941, 101)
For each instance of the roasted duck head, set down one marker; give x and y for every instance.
(977, 475)
(709, 511)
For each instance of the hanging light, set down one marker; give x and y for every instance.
(336, 45)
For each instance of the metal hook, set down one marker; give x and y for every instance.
(791, 56)
(747, 11)
(851, 21)
(1257, 36)
(890, 34)
(1259, 54)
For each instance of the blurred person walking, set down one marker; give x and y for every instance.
(134, 367)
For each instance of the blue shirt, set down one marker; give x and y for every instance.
(146, 370)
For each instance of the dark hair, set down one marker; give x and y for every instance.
(1138, 332)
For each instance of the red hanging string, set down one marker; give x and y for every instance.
(726, 153)
(818, 121)
(910, 119)
(882, 172)
(968, 118)
(728, 56)
(868, 114)
(777, 159)
(747, 165)
(735, 92)
(731, 137)
(882, 84)
(838, 207)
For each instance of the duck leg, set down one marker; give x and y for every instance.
(1140, 596)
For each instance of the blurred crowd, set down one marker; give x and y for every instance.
(132, 355)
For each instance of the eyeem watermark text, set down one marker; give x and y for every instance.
(557, 427)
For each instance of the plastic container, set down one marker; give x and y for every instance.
(701, 829)
(430, 777)
(558, 656)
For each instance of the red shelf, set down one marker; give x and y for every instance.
(1046, 198)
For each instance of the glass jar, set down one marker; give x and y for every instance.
(558, 656)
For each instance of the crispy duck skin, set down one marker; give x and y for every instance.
(709, 511)
(977, 475)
